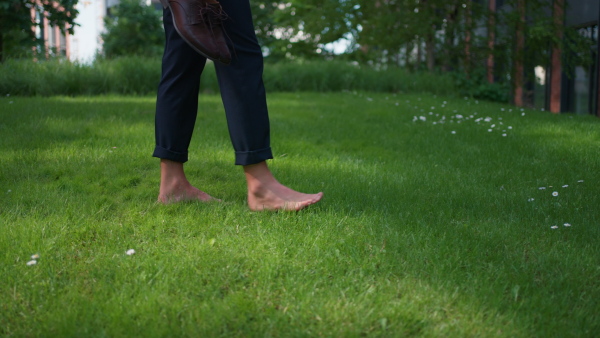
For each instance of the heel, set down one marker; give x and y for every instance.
(165, 3)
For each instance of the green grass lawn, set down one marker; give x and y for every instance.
(434, 222)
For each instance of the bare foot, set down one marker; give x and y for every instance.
(183, 192)
(174, 186)
(266, 193)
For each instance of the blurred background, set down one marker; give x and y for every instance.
(532, 53)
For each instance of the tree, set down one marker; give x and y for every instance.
(133, 29)
(300, 28)
(17, 29)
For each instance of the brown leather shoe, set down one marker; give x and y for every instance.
(200, 24)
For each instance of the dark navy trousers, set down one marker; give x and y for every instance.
(240, 83)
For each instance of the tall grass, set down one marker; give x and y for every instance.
(140, 76)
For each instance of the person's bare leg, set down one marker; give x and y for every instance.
(266, 193)
(174, 186)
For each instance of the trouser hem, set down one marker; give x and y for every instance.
(253, 157)
(166, 154)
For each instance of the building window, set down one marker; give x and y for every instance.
(582, 92)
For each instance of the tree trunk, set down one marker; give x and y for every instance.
(491, 40)
(1, 47)
(430, 50)
(468, 21)
(449, 40)
(556, 69)
(519, 57)
(418, 63)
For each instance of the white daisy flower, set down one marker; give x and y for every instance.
(531, 200)
(567, 224)
(542, 188)
(32, 262)
(554, 227)
(130, 252)
(36, 256)
(504, 135)
(555, 193)
(565, 186)
(489, 130)
(453, 132)
(580, 181)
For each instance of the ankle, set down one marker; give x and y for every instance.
(258, 177)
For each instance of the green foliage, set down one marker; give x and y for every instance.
(475, 85)
(140, 76)
(16, 34)
(424, 35)
(133, 28)
(326, 76)
(125, 75)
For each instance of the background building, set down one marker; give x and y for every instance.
(579, 85)
(559, 87)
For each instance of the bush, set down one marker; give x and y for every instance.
(140, 76)
(324, 76)
(476, 86)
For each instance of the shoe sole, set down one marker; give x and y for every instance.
(166, 4)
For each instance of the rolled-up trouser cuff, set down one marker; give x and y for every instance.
(253, 157)
(165, 154)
